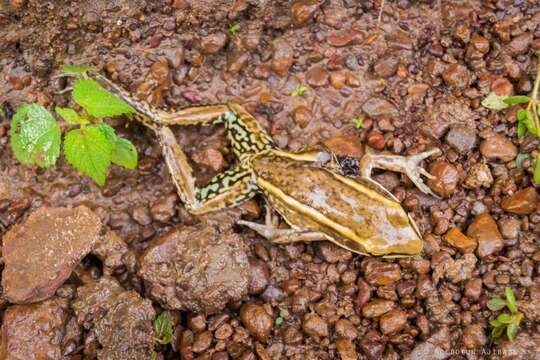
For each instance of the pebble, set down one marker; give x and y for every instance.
(315, 326)
(484, 230)
(346, 349)
(502, 86)
(523, 202)
(371, 346)
(474, 336)
(141, 215)
(480, 43)
(302, 116)
(259, 276)
(202, 341)
(393, 321)
(338, 79)
(473, 289)
(332, 253)
(446, 178)
(343, 37)
(375, 107)
(210, 158)
(213, 43)
(317, 76)
(381, 273)
(364, 293)
(345, 329)
(237, 60)
(256, 320)
(462, 138)
(386, 66)
(376, 140)
(282, 56)
(377, 307)
(479, 175)
(456, 76)
(498, 147)
(510, 228)
(65, 236)
(520, 44)
(460, 241)
(302, 11)
(164, 208)
(223, 332)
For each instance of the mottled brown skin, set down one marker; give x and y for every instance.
(353, 214)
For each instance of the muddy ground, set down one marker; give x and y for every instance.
(417, 76)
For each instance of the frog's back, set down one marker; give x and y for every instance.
(352, 213)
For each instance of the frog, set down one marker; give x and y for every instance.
(307, 188)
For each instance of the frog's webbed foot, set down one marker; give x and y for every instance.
(408, 165)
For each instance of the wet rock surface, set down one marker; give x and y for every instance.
(198, 268)
(33, 273)
(416, 78)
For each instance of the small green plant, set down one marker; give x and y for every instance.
(90, 146)
(234, 28)
(281, 317)
(163, 329)
(358, 123)
(299, 91)
(507, 321)
(528, 118)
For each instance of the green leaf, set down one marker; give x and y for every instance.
(511, 331)
(521, 129)
(163, 328)
(496, 304)
(358, 123)
(529, 122)
(505, 318)
(518, 99)
(234, 29)
(510, 299)
(495, 102)
(520, 158)
(497, 332)
(74, 69)
(125, 154)
(97, 101)
(536, 174)
(283, 313)
(35, 136)
(89, 151)
(299, 91)
(495, 323)
(70, 116)
(109, 133)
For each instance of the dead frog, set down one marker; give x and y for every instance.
(305, 188)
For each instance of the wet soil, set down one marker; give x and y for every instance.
(417, 78)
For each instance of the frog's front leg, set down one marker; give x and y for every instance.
(408, 165)
(282, 236)
(227, 189)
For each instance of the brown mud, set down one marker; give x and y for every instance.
(417, 78)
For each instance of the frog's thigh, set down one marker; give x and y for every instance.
(283, 236)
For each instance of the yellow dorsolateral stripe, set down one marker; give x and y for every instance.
(307, 210)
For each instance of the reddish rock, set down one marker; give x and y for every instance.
(346, 349)
(210, 158)
(315, 326)
(33, 332)
(498, 147)
(375, 140)
(474, 336)
(282, 56)
(393, 321)
(345, 146)
(521, 43)
(484, 230)
(33, 273)
(256, 320)
(456, 76)
(213, 43)
(502, 86)
(462, 138)
(375, 107)
(381, 273)
(317, 76)
(344, 37)
(479, 175)
(446, 178)
(303, 10)
(460, 241)
(523, 202)
(377, 307)
(302, 116)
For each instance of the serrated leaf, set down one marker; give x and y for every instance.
(74, 69)
(89, 151)
(97, 101)
(125, 154)
(163, 328)
(518, 99)
(495, 102)
(109, 133)
(511, 331)
(505, 318)
(536, 174)
(70, 116)
(35, 136)
(496, 304)
(520, 158)
(510, 299)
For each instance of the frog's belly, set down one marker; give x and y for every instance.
(355, 217)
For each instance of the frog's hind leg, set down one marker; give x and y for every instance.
(229, 188)
(282, 236)
(404, 164)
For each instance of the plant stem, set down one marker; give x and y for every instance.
(534, 98)
(536, 82)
